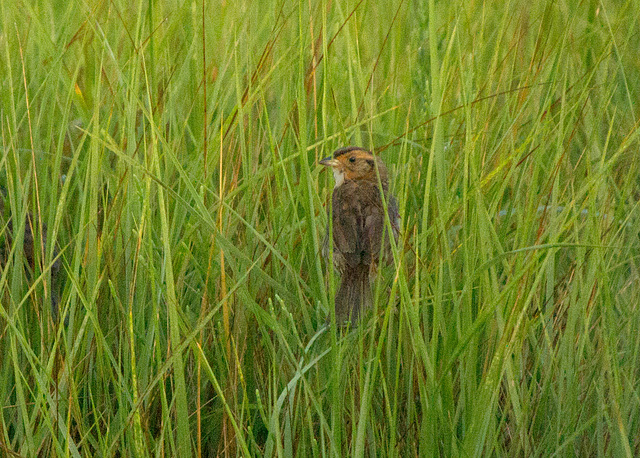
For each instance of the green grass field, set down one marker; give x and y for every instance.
(171, 149)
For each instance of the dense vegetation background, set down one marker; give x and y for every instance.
(171, 150)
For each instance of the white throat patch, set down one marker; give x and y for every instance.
(338, 175)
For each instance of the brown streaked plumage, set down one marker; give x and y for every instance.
(358, 226)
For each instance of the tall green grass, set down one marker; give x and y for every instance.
(171, 150)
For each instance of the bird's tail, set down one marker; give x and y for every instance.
(354, 294)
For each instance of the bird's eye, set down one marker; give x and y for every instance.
(352, 159)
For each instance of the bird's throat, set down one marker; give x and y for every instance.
(338, 175)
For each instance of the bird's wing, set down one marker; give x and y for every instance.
(375, 225)
(394, 216)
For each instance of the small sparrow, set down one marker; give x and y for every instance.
(358, 226)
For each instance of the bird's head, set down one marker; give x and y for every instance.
(355, 163)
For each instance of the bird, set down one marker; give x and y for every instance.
(358, 227)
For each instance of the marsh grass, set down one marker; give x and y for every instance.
(171, 151)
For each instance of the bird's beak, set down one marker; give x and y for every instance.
(328, 162)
